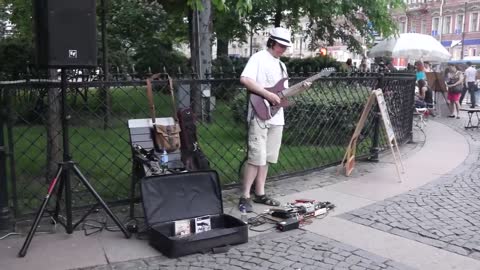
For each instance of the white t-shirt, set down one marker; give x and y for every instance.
(470, 74)
(265, 69)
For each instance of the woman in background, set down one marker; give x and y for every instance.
(455, 86)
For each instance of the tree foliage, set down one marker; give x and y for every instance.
(328, 20)
(137, 28)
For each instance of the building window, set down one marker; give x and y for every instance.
(473, 25)
(413, 27)
(423, 27)
(459, 24)
(435, 26)
(402, 27)
(447, 25)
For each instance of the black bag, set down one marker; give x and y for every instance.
(171, 198)
(457, 88)
(192, 156)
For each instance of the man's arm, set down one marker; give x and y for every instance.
(257, 89)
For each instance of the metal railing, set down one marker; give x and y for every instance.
(318, 128)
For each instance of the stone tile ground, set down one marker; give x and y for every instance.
(294, 250)
(444, 213)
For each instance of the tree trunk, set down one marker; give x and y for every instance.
(54, 129)
(222, 47)
(201, 50)
(278, 14)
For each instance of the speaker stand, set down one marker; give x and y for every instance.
(63, 174)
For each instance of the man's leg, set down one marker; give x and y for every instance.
(249, 174)
(257, 156)
(261, 179)
(471, 89)
(464, 91)
(274, 141)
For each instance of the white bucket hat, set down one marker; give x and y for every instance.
(281, 35)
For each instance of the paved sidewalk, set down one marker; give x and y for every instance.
(429, 221)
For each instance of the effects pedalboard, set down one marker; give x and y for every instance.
(293, 213)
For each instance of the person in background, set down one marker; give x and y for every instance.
(470, 79)
(391, 67)
(427, 67)
(364, 65)
(264, 69)
(420, 71)
(381, 67)
(424, 97)
(349, 66)
(454, 83)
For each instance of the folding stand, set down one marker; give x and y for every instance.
(63, 174)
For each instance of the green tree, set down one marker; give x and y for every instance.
(328, 20)
(3, 20)
(20, 16)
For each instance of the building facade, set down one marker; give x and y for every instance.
(455, 23)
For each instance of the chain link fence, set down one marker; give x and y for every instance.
(319, 125)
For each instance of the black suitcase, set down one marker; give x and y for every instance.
(186, 196)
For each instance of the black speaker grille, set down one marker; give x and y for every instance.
(66, 33)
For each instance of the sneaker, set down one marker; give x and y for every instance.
(247, 203)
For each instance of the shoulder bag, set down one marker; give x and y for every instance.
(164, 136)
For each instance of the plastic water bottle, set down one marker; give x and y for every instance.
(243, 214)
(164, 160)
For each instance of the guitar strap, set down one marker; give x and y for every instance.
(283, 70)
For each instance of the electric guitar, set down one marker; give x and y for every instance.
(265, 110)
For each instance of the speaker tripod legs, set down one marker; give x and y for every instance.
(100, 201)
(64, 182)
(40, 212)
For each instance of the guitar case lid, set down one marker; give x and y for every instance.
(179, 196)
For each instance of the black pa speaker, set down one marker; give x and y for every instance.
(65, 33)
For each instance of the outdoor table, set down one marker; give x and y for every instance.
(471, 112)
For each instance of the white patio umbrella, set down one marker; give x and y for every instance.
(412, 46)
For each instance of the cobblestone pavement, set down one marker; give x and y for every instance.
(296, 250)
(444, 213)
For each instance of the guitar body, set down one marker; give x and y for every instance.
(262, 107)
(265, 110)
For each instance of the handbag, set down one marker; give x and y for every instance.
(457, 88)
(165, 137)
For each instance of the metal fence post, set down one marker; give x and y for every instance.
(373, 157)
(5, 217)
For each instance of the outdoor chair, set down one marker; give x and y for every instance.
(141, 135)
(420, 115)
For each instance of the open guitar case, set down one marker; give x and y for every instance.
(186, 196)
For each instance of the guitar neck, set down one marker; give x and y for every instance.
(297, 88)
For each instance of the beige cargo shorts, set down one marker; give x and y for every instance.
(264, 142)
